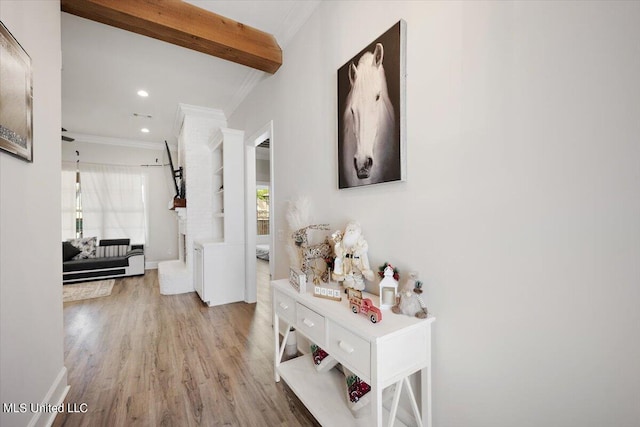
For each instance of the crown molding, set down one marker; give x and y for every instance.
(292, 22)
(251, 80)
(118, 142)
(185, 110)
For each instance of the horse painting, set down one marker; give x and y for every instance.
(368, 119)
(369, 139)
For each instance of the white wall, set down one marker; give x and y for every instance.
(31, 334)
(163, 226)
(522, 206)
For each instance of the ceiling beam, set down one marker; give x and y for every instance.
(186, 25)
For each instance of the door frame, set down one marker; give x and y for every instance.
(251, 143)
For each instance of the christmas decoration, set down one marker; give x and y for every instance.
(357, 393)
(388, 287)
(363, 306)
(351, 259)
(411, 302)
(356, 388)
(382, 268)
(321, 359)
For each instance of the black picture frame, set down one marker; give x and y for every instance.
(372, 120)
(16, 98)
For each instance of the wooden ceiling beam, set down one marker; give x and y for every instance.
(186, 25)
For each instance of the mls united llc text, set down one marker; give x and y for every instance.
(21, 408)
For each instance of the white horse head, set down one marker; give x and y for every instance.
(368, 115)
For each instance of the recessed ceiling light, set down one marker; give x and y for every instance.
(144, 130)
(143, 93)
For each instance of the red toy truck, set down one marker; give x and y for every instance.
(363, 306)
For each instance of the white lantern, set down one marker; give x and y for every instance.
(388, 288)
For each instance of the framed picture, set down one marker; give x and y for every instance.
(16, 98)
(298, 280)
(371, 116)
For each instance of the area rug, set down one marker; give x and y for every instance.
(87, 290)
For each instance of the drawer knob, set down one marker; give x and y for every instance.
(283, 306)
(346, 347)
(308, 322)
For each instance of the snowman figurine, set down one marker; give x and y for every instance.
(411, 302)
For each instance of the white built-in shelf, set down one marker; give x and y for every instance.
(227, 167)
(225, 246)
(215, 144)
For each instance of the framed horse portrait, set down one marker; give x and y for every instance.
(16, 98)
(371, 116)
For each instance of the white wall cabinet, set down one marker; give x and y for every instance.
(219, 262)
(384, 355)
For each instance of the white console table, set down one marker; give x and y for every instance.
(382, 354)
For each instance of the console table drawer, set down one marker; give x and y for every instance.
(310, 323)
(285, 307)
(352, 349)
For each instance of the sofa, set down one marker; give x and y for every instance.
(84, 261)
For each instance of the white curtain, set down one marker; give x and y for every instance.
(113, 202)
(68, 201)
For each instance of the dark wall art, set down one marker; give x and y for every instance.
(16, 97)
(371, 116)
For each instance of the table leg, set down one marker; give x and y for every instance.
(425, 385)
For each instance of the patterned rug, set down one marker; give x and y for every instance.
(87, 290)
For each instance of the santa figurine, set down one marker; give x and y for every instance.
(351, 264)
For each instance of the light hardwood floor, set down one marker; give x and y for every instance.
(141, 358)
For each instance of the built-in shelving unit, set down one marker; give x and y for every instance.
(218, 157)
(219, 262)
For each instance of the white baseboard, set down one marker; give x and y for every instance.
(55, 397)
(151, 265)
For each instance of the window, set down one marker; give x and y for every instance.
(70, 203)
(262, 213)
(112, 204)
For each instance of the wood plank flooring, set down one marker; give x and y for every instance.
(138, 358)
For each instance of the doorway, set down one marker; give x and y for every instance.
(259, 233)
